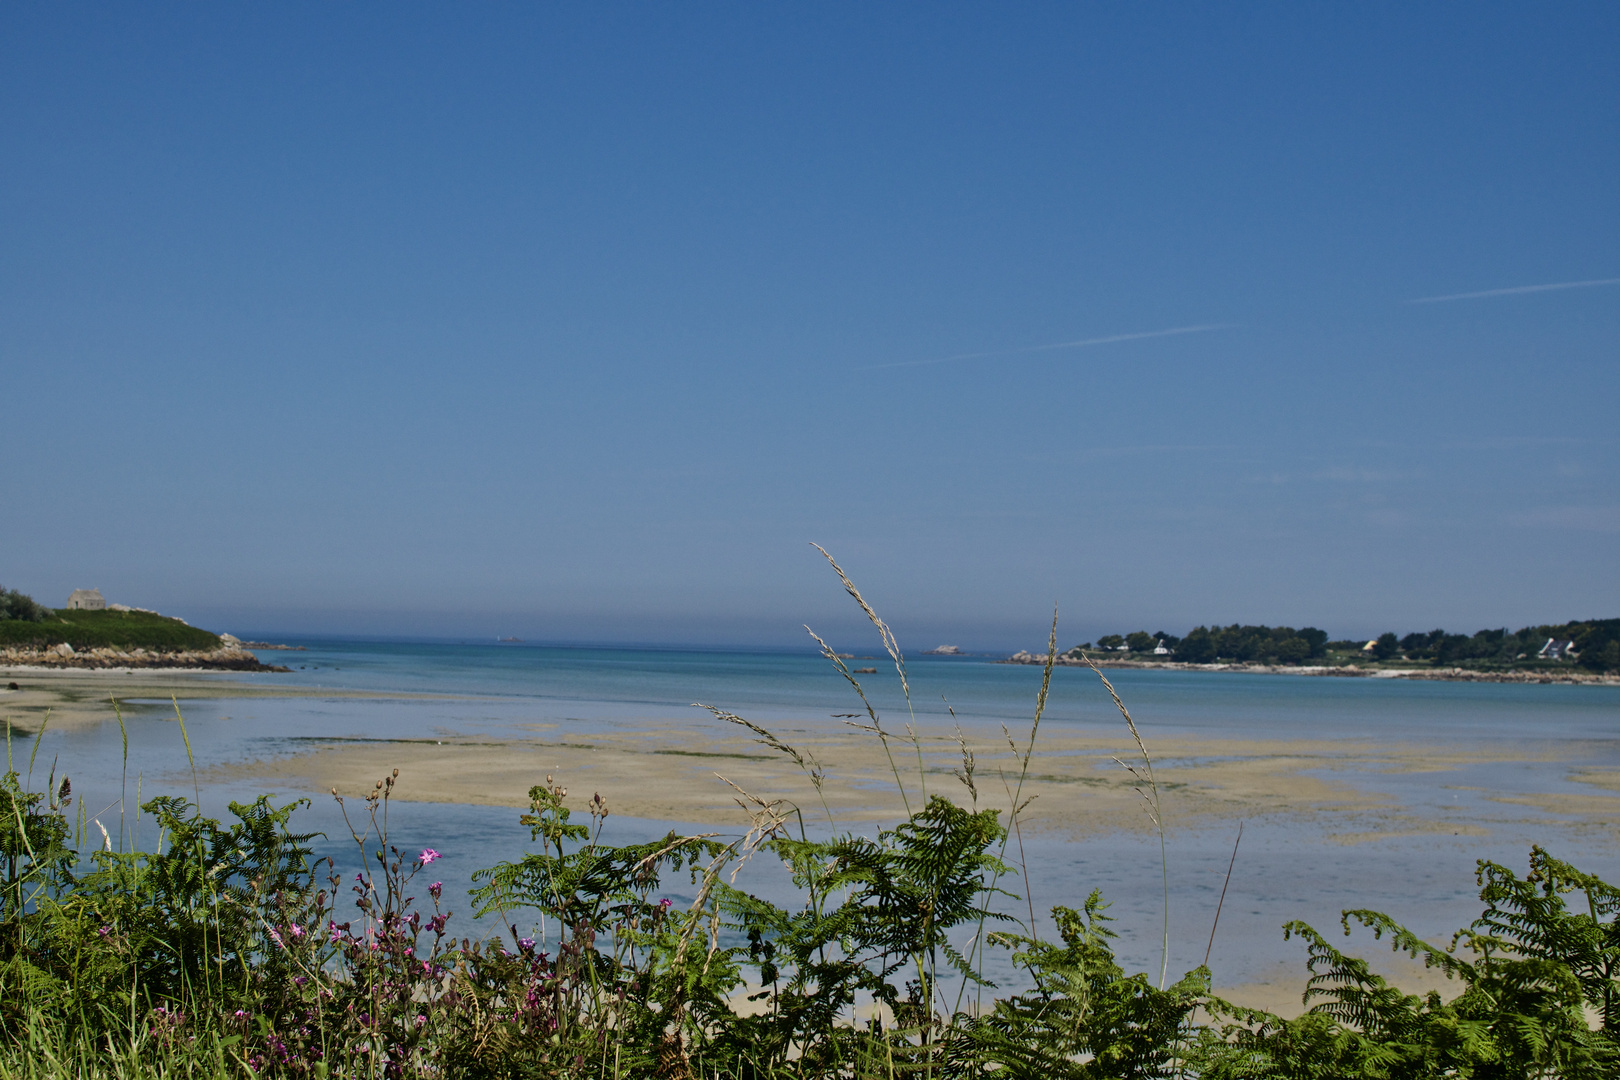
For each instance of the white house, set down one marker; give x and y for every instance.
(87, 600)
(1557, 650)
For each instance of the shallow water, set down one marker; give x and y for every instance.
(1285, 869)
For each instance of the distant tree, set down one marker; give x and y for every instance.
(1597, 644)
(1198, 647)
(1294, 650)
(16, 605)
(1140, 641)
(1316, 640)
(1386, 647)
(1110, 641)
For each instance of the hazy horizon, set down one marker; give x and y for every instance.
(581, 323)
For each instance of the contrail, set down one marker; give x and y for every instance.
(1084, 343)
(1516, 290)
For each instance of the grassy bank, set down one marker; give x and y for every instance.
(125, 630)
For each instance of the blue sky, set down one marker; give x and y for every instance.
(580, 322)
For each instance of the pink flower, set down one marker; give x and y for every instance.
(428, 855)
(296, 931)
(435, 889)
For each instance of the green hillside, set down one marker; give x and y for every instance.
(125, 630)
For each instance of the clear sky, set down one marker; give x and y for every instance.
(581, 321)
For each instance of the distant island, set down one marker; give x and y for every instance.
(90, 633)
(1572, 651)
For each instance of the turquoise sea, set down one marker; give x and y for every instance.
(1286, 868)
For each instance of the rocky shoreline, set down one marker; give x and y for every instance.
(228, 657)
(1580, 678)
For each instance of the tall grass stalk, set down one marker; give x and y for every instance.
(1222, 901)
(892, 647)
(38, 735)
(1017, 803)
(1155, 811)
(876, 727)
(123, 776)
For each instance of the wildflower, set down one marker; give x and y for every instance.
(526, 944)
(104, 931)
(420, 1019)
(435, 889)
(666, 903)
(428, 855)
(275, 937)
(332, 927)
(296, 931)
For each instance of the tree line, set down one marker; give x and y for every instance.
(1208, 645)
(1592, 644)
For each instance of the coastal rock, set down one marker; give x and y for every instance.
(63, 656)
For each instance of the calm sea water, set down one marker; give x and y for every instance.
(1286, 869)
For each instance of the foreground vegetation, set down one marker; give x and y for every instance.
(222, 954)
(226, 949)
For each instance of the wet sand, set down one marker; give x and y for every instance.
(80, 698)
(675, 774)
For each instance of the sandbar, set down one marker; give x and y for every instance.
(80, 698)
(1079, 787)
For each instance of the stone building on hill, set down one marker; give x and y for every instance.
(87, 600)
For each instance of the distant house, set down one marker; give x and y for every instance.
(1370, 646)
(1159, 649)
(1557, 650)
(87, 600)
